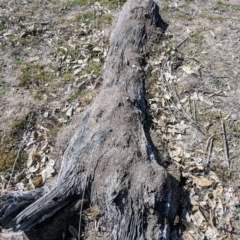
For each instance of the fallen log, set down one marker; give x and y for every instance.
(110, 164)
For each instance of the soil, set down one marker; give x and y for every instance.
(193, 94)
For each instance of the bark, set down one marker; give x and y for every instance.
(110, 161)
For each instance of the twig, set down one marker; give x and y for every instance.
(225, 144)
(194, 111)
(181, 43)
(210, 149)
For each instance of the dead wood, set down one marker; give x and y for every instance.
(110, 161)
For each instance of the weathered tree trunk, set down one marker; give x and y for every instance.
(110, 161)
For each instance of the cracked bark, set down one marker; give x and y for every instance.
(110, 161)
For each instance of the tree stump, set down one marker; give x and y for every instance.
(110, 163)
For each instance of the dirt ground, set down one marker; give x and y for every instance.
(52, 53)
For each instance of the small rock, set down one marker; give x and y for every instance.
(69, 112)
(46, 114)
(78, 70)
(33, 59)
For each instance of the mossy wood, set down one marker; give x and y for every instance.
(110, 161)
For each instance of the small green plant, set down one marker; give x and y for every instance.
(36, 78)
(218, 83)
(219, 4)
(180, 15)
(237, 127)
(85, 16)
(111, 4)
(212, 17)
(9, 144)
(196, 37)
(2, 26)
(93, 67)
(235, 7)
(81, 2)
(104, 19)
(238, 210)
(97, 19)
(17, 61)
(34, 74)
(29, 41)
(64, 117)
(68, 76)
(3, 90)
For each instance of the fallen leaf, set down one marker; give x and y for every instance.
(201, 151)
(37, 180)
(201, 181)
(187, 69)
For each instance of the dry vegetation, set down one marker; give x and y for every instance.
(51, 63)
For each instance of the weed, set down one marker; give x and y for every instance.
(3, 90)
(2, 26)
(33, 74)
(93, 67)
(35, 77)
(68, 76)
(219, 5)
(29, 41)
(235, 7)
(104, 19)
(17, 61)
(85, 16)
(180, 15)
(196, 37)
(237, 127)
(218, 83)
(19, 124)
(64, 117)
(81, 2)
(8, 153)
(97, 19)
(214, 17)
(9, 145)
(111, 4)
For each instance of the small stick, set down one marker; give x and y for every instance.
(210, 149)
(194, 111)
(225, 144)
(180, 44)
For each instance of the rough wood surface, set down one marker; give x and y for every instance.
(110, 160)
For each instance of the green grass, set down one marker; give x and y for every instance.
(17, 61)
(9, 145)
(34, 77)
(81, 2)
(68, 76)
(93, 67)
(180, 15)
(111, 4)
(196, 37)
(86, 16)
(212, 17)
(92, 16)
(34, 74)
(104, 19)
